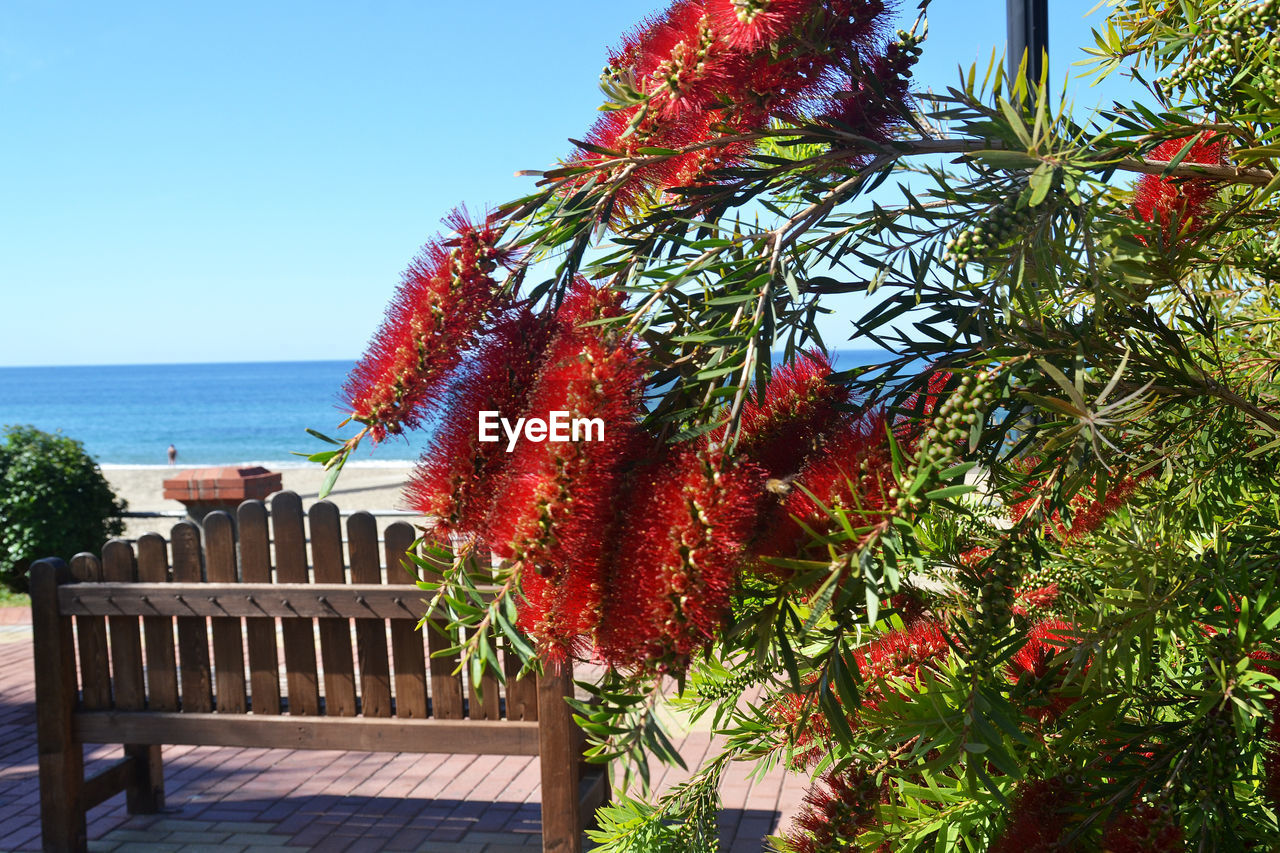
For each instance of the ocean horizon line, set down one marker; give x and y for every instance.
(290, 464)
(249, 361)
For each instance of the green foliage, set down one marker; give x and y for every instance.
(54, 502)
(1091, 353)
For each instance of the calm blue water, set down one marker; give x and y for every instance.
(215, 414)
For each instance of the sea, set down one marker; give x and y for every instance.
(213, 414)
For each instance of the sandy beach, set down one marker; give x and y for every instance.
(373, 488)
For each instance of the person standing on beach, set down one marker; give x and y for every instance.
(173, 454)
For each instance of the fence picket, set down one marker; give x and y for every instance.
(335, 634)
(260, 634)
(162, 667)
(228, 648)
(406, 641)
(193, 631)
(91, 637)
(371, 634)
(299, 638)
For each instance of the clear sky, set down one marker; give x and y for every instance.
(242, 181)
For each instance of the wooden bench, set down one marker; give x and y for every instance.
(219, 684)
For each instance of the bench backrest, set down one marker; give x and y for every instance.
(266, 583)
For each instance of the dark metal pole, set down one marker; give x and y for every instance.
(1028, 34)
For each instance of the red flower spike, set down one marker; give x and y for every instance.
(899, 656)
(690, 78)
(1038, 818)
(1178, 205)
(682, 537)
(455, 481)
(749, 24)
(1030, 601)
(1045, 641)
(1144, 829)
(853, 471)
(839, 807)
(893, 657)
(556, 501)
(711, 68)
(807, 728)
(854, 22)
(1087, 514)
(796, 414)
(876, 102)
(446, 297)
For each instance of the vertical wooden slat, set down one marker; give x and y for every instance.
(558, 756)
(299, 638)
(162, 668)
(193, 631)
(145, 792)
(126, 642)
(483, 704)
(91, 636)
(371, 634)
(335, 633)
(61, 759)
(260, 634)
(522, 693)
(406, 642)
(228, 648)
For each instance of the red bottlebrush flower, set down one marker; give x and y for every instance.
(455, 481)
(806, 727)
(447, 295)
(556, 500)
(682, 535)
(920, 405)
(1087, 514)
(1089, 517)
(793, 417)
(689, 78)
(1178, 205)
(899, 656)
(895, 656)
(853, 472)
(910, 604)
(837, 809)
(853, 22)
(1143, 829)
(749, 24)
(878, 99)
(1045, 641)
(708, 69)
(1034, 600)
(1038, 817)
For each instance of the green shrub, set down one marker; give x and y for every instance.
(54, 502)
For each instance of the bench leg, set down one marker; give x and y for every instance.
(61, 758)
(145, 792)
(558, 754)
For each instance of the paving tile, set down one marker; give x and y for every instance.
(244, 826)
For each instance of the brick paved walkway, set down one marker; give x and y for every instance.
(231, 799)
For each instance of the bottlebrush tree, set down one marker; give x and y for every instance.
(1011, 589)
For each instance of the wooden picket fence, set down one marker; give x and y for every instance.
(233, 609)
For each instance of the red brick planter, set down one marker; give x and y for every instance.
(204, 490)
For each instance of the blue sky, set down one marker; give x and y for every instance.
(245, 181)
